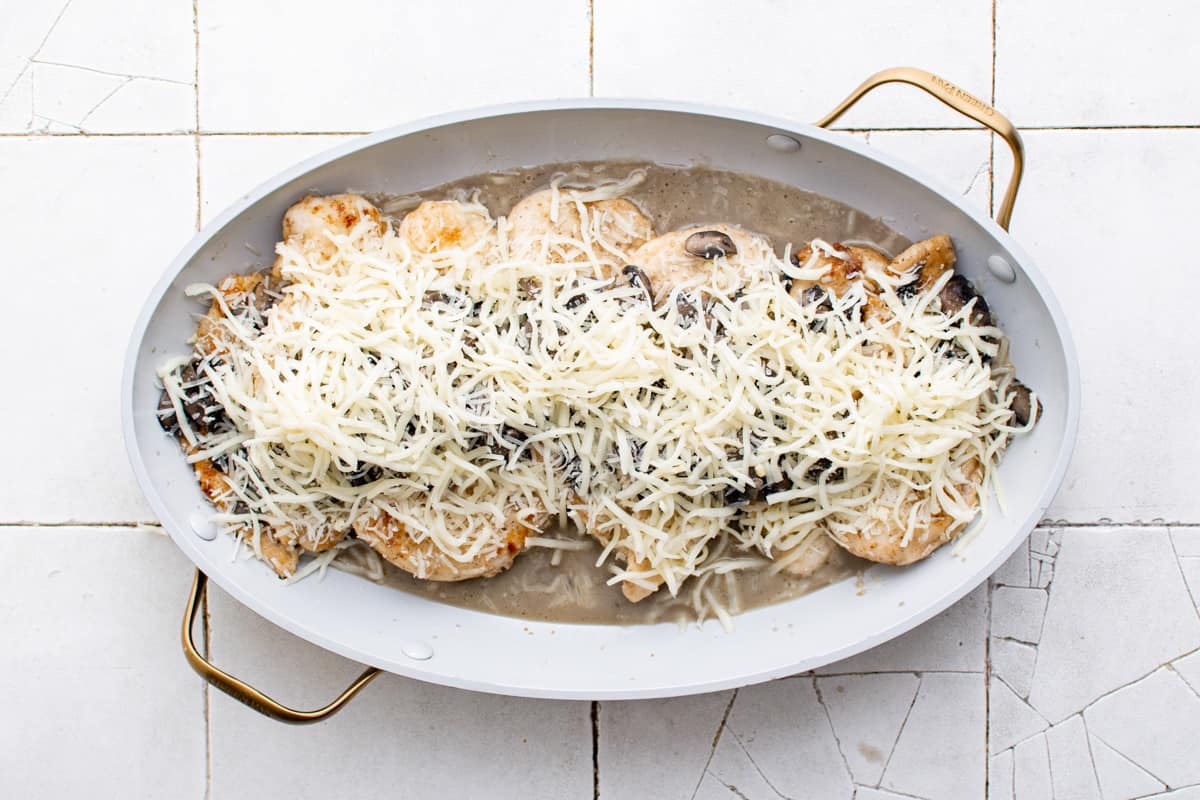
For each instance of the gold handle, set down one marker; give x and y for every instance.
(962, 102)
(243, 692)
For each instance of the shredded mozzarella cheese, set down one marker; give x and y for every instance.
(457, 391)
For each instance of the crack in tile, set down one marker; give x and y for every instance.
(1171, 666)
(105, 99)
(757, 768)
(732, 788)
(1049, 763)
(1182, 575)
(888, 761)
(979, 173)
(1170, 790)
(45, 118)
(1130, 760)
(1136, 680)
(716, 740)
(905, 795)
(1087, 735)
(41, 44)
(829, 718)
(109, 73)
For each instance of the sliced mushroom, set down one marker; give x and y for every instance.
(366, 473)
(822, 466)
(744, 495)
(709, 245)
(909, 290)
(1021, 403)
(688, 309)
(637, 277)
(957, 292)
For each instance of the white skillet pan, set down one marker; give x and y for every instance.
(420, 638)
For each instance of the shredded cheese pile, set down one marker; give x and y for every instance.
(459, 390)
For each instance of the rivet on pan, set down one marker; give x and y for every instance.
(202, 526)
(418, 651)
(998, 266)
(782, 143)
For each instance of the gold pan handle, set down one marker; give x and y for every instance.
(243, 692)
(964, 103)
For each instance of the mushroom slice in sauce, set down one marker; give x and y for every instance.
(957, 292)
(1022, 403)
(709, 245)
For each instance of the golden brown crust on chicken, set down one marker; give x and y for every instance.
(883, 541)
(283, 557)
(591, 525)
(438, 225)
(927, 260)
(424, 559)
(236, 291)
(309, 224)
(845, 268)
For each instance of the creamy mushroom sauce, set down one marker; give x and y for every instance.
(572, 588)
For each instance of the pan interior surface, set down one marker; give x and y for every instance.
(382, 627)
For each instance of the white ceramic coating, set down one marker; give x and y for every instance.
(419, 638)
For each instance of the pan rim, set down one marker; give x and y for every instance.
(415, 669)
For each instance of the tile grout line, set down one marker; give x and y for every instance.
(1148, 126)
(591, 15)
(716, 740)
(208, 750)
(196, 101)
(595, 715)
(987, 595)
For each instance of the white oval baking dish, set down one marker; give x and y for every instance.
(412, 636)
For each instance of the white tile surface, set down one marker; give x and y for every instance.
(1017, 613)
(1120, 778)
(1071, 769)
(117, 66)
(1088, 199)
(1031, 769)
(637, 737)
(90, 221)
(779, 57)
(1010, 719)
(1084, 654)
(95, 222)
(948, 710)
(867, 713)
(98, 701)
(1000, 777)
(1013, 662)
(1055, 62)
(415, 739)
(778, 731)
(383, 62)
(959, 160)
(1155, 723)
